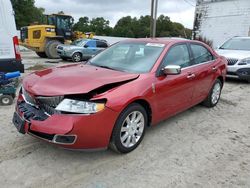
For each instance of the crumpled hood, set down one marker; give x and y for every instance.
(72, 79)
(237, 54)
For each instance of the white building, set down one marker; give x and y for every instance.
(219, 20)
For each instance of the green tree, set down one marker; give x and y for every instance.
(100, 26)
(82, 25)
(164, 27)
(133, 27)
(125, 27)
(26, 12)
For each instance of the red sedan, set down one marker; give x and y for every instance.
(110, 100)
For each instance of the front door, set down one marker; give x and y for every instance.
(173, 93)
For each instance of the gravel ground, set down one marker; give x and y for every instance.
(200, 147)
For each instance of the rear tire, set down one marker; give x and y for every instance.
(77, 57)
(129, 129)
(6, 100)
(42, 54)
(50, 49)
(214, 95)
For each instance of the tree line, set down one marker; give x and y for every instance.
(26, 13)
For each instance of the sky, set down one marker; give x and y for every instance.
(181, 11)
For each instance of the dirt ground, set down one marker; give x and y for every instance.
(200, 147)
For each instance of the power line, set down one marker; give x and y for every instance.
(189, 3)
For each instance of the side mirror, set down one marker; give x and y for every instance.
(172, 70)
(86, 46)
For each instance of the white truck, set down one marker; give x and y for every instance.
(10, 57)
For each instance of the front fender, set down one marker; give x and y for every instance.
(120, 97)
(75, 51)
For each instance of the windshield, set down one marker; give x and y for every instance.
(129, 57)
(237, 44)
(64, 22)
(79, 42)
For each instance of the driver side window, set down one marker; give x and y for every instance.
(177, 55)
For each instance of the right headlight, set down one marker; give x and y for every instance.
(245, 61)
(80, 107)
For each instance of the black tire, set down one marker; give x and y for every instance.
(115, 142)
(77, 57)
(6, 100)
(50, 49)
(208, 102)
(41, 54)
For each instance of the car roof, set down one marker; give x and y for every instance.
(238, 37)
(158, 40)
(94, 39)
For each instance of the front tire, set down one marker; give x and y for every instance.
(50, 49)
(41, 54)
(129, 129)
(214, 95)
(77, 57)
(6, 100)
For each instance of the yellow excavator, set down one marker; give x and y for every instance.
(43, 39)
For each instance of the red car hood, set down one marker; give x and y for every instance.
(72, 79)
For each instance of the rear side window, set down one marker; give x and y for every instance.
(178, 55)
(201, 54)
(91, 44)
(101, 44)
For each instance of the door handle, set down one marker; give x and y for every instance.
(191, 75)
(214, 69)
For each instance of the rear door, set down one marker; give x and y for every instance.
(101, 45)
(205, 67)
(173, 93)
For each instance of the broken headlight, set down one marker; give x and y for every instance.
(80, 107)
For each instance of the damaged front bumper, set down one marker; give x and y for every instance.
(73, 131)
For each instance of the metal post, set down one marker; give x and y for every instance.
(152, 18)
(155, 18)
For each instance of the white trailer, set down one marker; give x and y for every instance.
(10, 57)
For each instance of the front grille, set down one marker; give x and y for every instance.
(48, 104)
(232, 61)
(231, 73)
(31, 112)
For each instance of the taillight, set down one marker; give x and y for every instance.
(16, 47)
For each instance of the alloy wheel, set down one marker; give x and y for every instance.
(132, 129)
(216, 93)
(77, 57)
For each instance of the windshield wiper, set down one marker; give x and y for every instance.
(103, 66)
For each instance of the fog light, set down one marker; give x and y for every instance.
(64, 139)
(244, 73)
